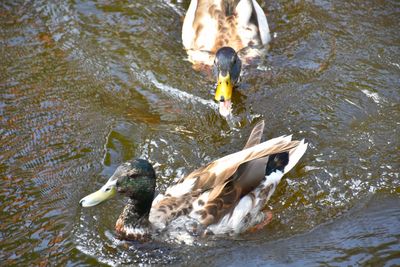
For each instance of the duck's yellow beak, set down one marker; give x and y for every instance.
(224, 88)
(223, 94)
(107, 191)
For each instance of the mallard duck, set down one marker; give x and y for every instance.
(215, 31)
(226, 196)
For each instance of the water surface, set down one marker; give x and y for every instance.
(87, 85)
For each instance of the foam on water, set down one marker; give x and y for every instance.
(148, 77)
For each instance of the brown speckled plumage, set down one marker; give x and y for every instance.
(212, 24)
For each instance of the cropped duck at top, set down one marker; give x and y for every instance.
(215, 31)
(226, 196)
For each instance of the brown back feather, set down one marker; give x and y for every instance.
(170, 207)
(224, 13)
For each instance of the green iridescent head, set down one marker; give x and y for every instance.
(135, 179)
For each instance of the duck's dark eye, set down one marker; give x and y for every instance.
(107, 189)
(133, 175)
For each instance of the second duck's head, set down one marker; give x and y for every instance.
(227, 67)
(135, 179)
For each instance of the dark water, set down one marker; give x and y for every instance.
(87, 85)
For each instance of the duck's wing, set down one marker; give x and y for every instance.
(218, 171)
(251, 23)
(262, 23)
(224, 197)
(255, 135)
(200, 26)
(188, 33)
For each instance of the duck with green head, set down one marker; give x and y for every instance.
(214, 32)
(226, 196)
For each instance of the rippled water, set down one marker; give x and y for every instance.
(87, 85)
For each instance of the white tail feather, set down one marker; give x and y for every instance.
(295, 155)
(262, 23)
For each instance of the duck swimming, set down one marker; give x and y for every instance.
(214, 32)
(226, 196)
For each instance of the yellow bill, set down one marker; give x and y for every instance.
(223, 94)
(107, 191)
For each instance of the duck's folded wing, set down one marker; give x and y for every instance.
(248, 189)
(200, 26)
(219, 171)
(262, 23)
(223, 198)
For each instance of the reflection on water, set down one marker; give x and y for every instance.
(87, 85)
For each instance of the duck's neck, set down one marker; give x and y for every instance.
(133, 223)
